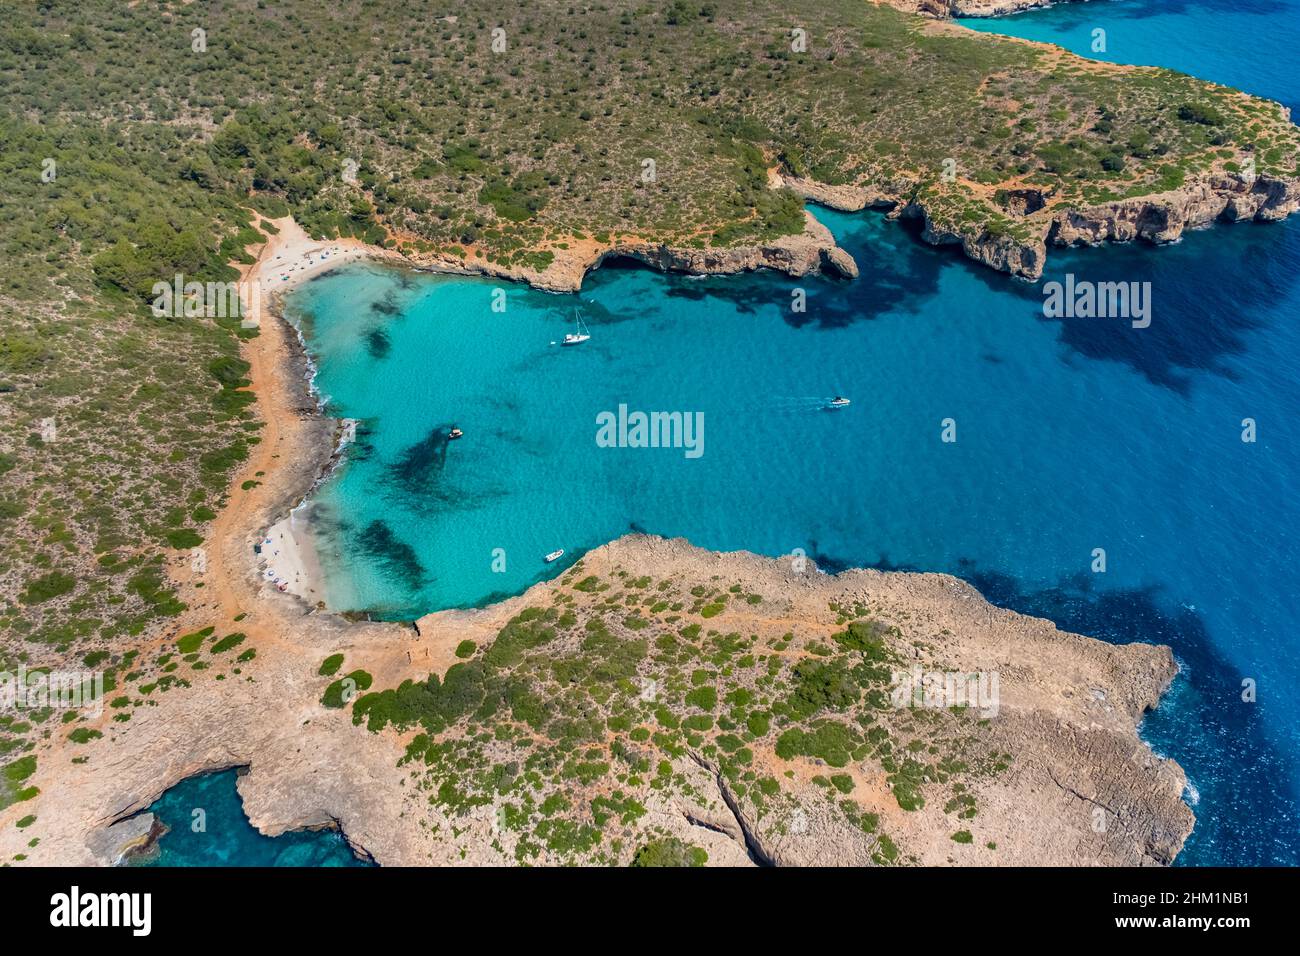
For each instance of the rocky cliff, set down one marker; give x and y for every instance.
(967, 8)
(811, 251)
(1164, 217)
(1160, 217)
(748, 720)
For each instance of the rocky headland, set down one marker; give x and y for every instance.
(968, 8)
(1159, 218)
(811, 251)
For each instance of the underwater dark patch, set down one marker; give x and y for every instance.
(393, 556)
(378, 343)
(386, 305)
(418, 469)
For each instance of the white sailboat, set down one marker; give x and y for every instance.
(580, 336)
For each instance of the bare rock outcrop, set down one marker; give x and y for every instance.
(1081, 784)
(811, 251)
(127, 838)
(1164, 217)
(844, 197)
(1001, 252)
(1078, 785)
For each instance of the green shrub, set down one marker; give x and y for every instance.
(669, 851)
(181, 538)
(189, 643)
(819, 685)
(350, 685)
(229, 642)
(47, 587)
(867, 636)
(705, 698)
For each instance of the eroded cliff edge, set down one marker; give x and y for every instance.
(812, 251)
(1040, 223)
(968, 8)
(1159, 218)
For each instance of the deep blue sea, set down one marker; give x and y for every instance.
(1072, 435)
(227, 838)
(1247, 44)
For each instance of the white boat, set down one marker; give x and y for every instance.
(839, 401)
(580, 336)
(554, 556)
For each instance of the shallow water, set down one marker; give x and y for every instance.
(1072, 435)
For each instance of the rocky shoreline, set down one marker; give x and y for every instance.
(1159, 218)
(812, 251)
(1069, 712)
(968, 8)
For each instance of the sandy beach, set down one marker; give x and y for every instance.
(291, 257)
(288, 560)
(285, 555)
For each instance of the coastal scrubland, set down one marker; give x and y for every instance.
(141, 141)
(561, 727)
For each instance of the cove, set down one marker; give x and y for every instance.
(1072, 435)
(228, 838)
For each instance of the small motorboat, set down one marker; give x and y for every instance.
(554, 556)
(580, 336)
(454, 434)
(839, 401)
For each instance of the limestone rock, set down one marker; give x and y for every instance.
(126, 838)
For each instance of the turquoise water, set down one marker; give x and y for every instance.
(227, 838)
(1071, 435)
